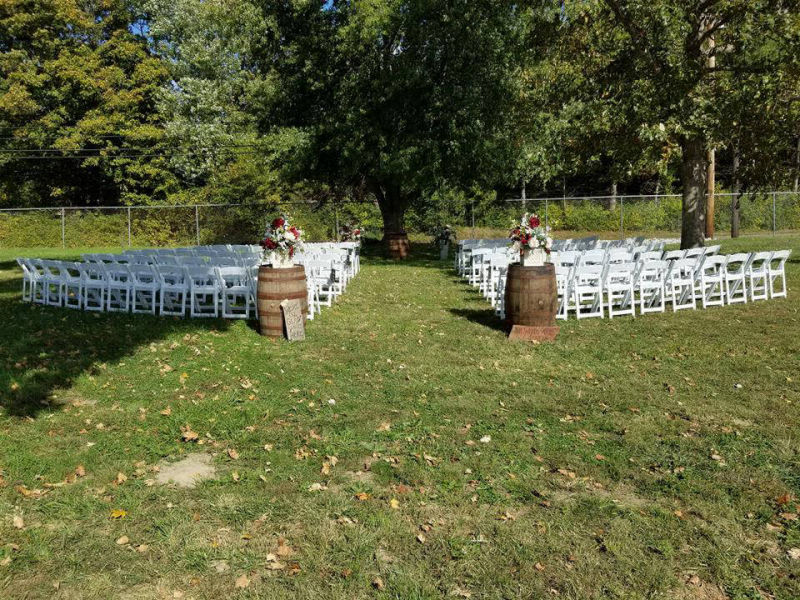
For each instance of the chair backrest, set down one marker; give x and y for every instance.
(694, 252)
(621, 271)
(737, 263)
(232, 276)
(714, 264)
(171, 275)
(142, 273)
(593, 257)
(202, 276)
(117, 272)
(759, 261)
(654, 270)
(711, 250)
(92, 272)
(619, 255)
(650, 255)
(781, 256)
(673, 255)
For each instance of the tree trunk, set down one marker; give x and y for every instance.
(737, 193)
(797, 167)
(612, 201)
(393, 207)
(693, 175)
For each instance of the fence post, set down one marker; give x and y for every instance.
(621, 217)
(197, 223)
(773, 213)
(545, 213)
(63, 228)
(129, 227)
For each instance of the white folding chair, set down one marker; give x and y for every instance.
(203, 291)
(651, 285)
(118, 294)
(758, 276)
(618, 285)
(776, 270)
(735, 275)
(588, 291)
(52, 282)
(144, 288)
(95, 286)
(680, 284)
(71, 285)
(174, 290)
(712, 280)
(235, 291)
(27, 280)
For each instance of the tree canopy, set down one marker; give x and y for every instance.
(403, 101)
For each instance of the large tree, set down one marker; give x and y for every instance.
(401, 96)
(77, 105)
(643, 73)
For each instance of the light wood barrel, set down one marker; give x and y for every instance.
(275, 286)
(531, 296)
(397, 244)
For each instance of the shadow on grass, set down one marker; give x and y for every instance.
(485, 317)
(46, 348)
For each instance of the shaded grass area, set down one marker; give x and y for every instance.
(622, 461)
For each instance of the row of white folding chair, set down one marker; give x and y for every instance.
(118, 287)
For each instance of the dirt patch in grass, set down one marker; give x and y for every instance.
(188, 471)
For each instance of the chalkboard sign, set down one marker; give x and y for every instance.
(293, 320)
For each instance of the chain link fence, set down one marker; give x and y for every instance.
(149, 226)
(610, 216)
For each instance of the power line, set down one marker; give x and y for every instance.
(108, 149)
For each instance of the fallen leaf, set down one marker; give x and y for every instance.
(486, 439)
(121, 541)
(394, 503)
(599, 457)
(167, 411)
(793, 553)
(187, 435)
(421, 538)
(378, 584)
(233, 454)
(385, 426)
(362, 496)
(317, 487)
(121, 478)
(242, 581)
(141, 548)
(538, 566)
(19, 522)
(283, 548)
(119, 513)
(80, 471)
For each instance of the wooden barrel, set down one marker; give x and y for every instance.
(274, 286)
(398, 245)
(531, 296)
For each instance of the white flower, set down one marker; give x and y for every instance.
(549, 243)
(533, 243)
(289, 236)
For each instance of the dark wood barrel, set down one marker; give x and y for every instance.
(531, 295)
(398, 244)
(274, 286)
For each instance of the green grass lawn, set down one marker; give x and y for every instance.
(654, 457)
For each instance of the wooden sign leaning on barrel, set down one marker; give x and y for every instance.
(275, 286)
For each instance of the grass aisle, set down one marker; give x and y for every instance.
(405, 450)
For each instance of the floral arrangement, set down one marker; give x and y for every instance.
(443, 234)
(350, 233)
(282, 238)
(530, 234)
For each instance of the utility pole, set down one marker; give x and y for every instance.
(711, 158)
(524, 198)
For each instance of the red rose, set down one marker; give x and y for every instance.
(291, 251)
(279, 222)
(294, 231)
(270, 244)
(534, 221)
